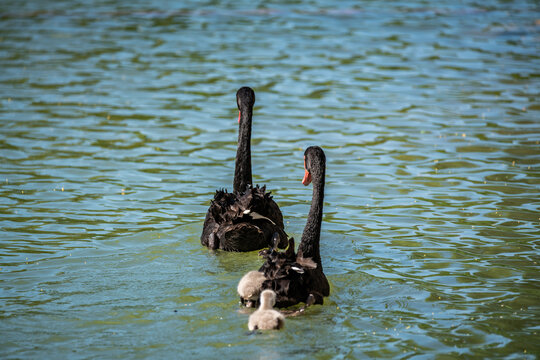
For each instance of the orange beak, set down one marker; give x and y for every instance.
(239, 114)
(307, 176)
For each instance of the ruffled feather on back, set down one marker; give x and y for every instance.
(293, 278)
(242, 222)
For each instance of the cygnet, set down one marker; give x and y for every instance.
(265, 317)
(250, 287)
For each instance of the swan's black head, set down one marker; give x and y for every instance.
(314, 164)
(245, 98)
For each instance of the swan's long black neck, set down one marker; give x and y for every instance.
(309, 246)
(242, 171)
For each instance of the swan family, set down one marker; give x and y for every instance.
(248, 219)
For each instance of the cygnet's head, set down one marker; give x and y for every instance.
(268, 299)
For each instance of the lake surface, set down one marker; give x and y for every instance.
(118, 121)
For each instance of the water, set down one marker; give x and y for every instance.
(118, 122)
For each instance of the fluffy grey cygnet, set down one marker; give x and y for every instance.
(265, 317)
(250, 287)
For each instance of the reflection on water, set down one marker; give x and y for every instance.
(118, 122)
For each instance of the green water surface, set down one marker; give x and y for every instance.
(118, 121)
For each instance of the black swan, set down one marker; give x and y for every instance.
(247, 218)
(299, 277)
(265, 317)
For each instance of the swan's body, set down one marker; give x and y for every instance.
(247, 218)
(299, 277)
(265, 317)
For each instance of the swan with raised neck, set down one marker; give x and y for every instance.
(299, 277)
(246, 218)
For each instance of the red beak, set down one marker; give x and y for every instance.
(307, 176)
(239, 114)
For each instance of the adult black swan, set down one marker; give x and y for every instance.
(299, 277)
(247, 218)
